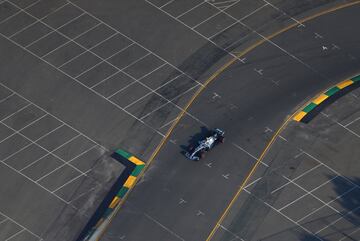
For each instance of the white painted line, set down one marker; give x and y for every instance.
(13, 154)
(294, 19)
(205, 20)
(337, 220)
(311, 194)
(28, 26)
(97, 64)
(294, 222)
(314, 211)
(350, 234)
(231, 54)
(42, 187)
(304, 173)
(135, 41)
(51, 152)
(12, 220)
(171, 80)
(331, 169)
(255, 181)
(14, 235)
(20, 10)
(70, 181)
(158, 108)
(12, 114)
(168, 123)
(119, 51)
(189, 10)
(22, 128)
(86, 50)
(236, 237)
(255, 11)
(166, 3)
(109, 64)
(76, 37)
(53, 29)
(6, 98)
(351, 122)
(222, 30)
(164, 227)
(228, 1)
(135, 61)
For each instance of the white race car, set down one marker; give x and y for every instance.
(198, 152)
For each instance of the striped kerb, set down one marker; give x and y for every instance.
(345, 84)
(135, 160)
(114, 202)
(309, 107)
(129, 183)
(332, 91)
(123, 153)
(137, 170)
(321, 98)
(122, 192)
(357, 78)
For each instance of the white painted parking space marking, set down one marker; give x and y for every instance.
(86, 49)
(164, 5)
(125, 87)
(71, 180)
(20, 10)
(7, 97)
(24, 127)
(331, 169)
(298, 177)
(154, 89)
(12, 220)
(179, 16)
(352, 122)
(135, 42)
(14, 235)
(248, 153)
(101, 62)
(48, 113)
(236, 237)
(208, 39)
(164, 227)
(328, 203)
(17, 111)
(67, 42)
(350, 234)
(38, 145)
(309, 193)
(178, 96)
(53, 30)
(337, 220)
(32, 24)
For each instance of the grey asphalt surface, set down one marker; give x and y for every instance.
(308, 183)
(249, 101)
(79, 79)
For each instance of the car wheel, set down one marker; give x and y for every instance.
(202, 155)
(222, 139)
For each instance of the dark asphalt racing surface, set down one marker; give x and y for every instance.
(112, 74)
(183, 200)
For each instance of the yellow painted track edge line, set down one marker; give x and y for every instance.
(202, 87)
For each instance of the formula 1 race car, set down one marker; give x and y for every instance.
(198, 152)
